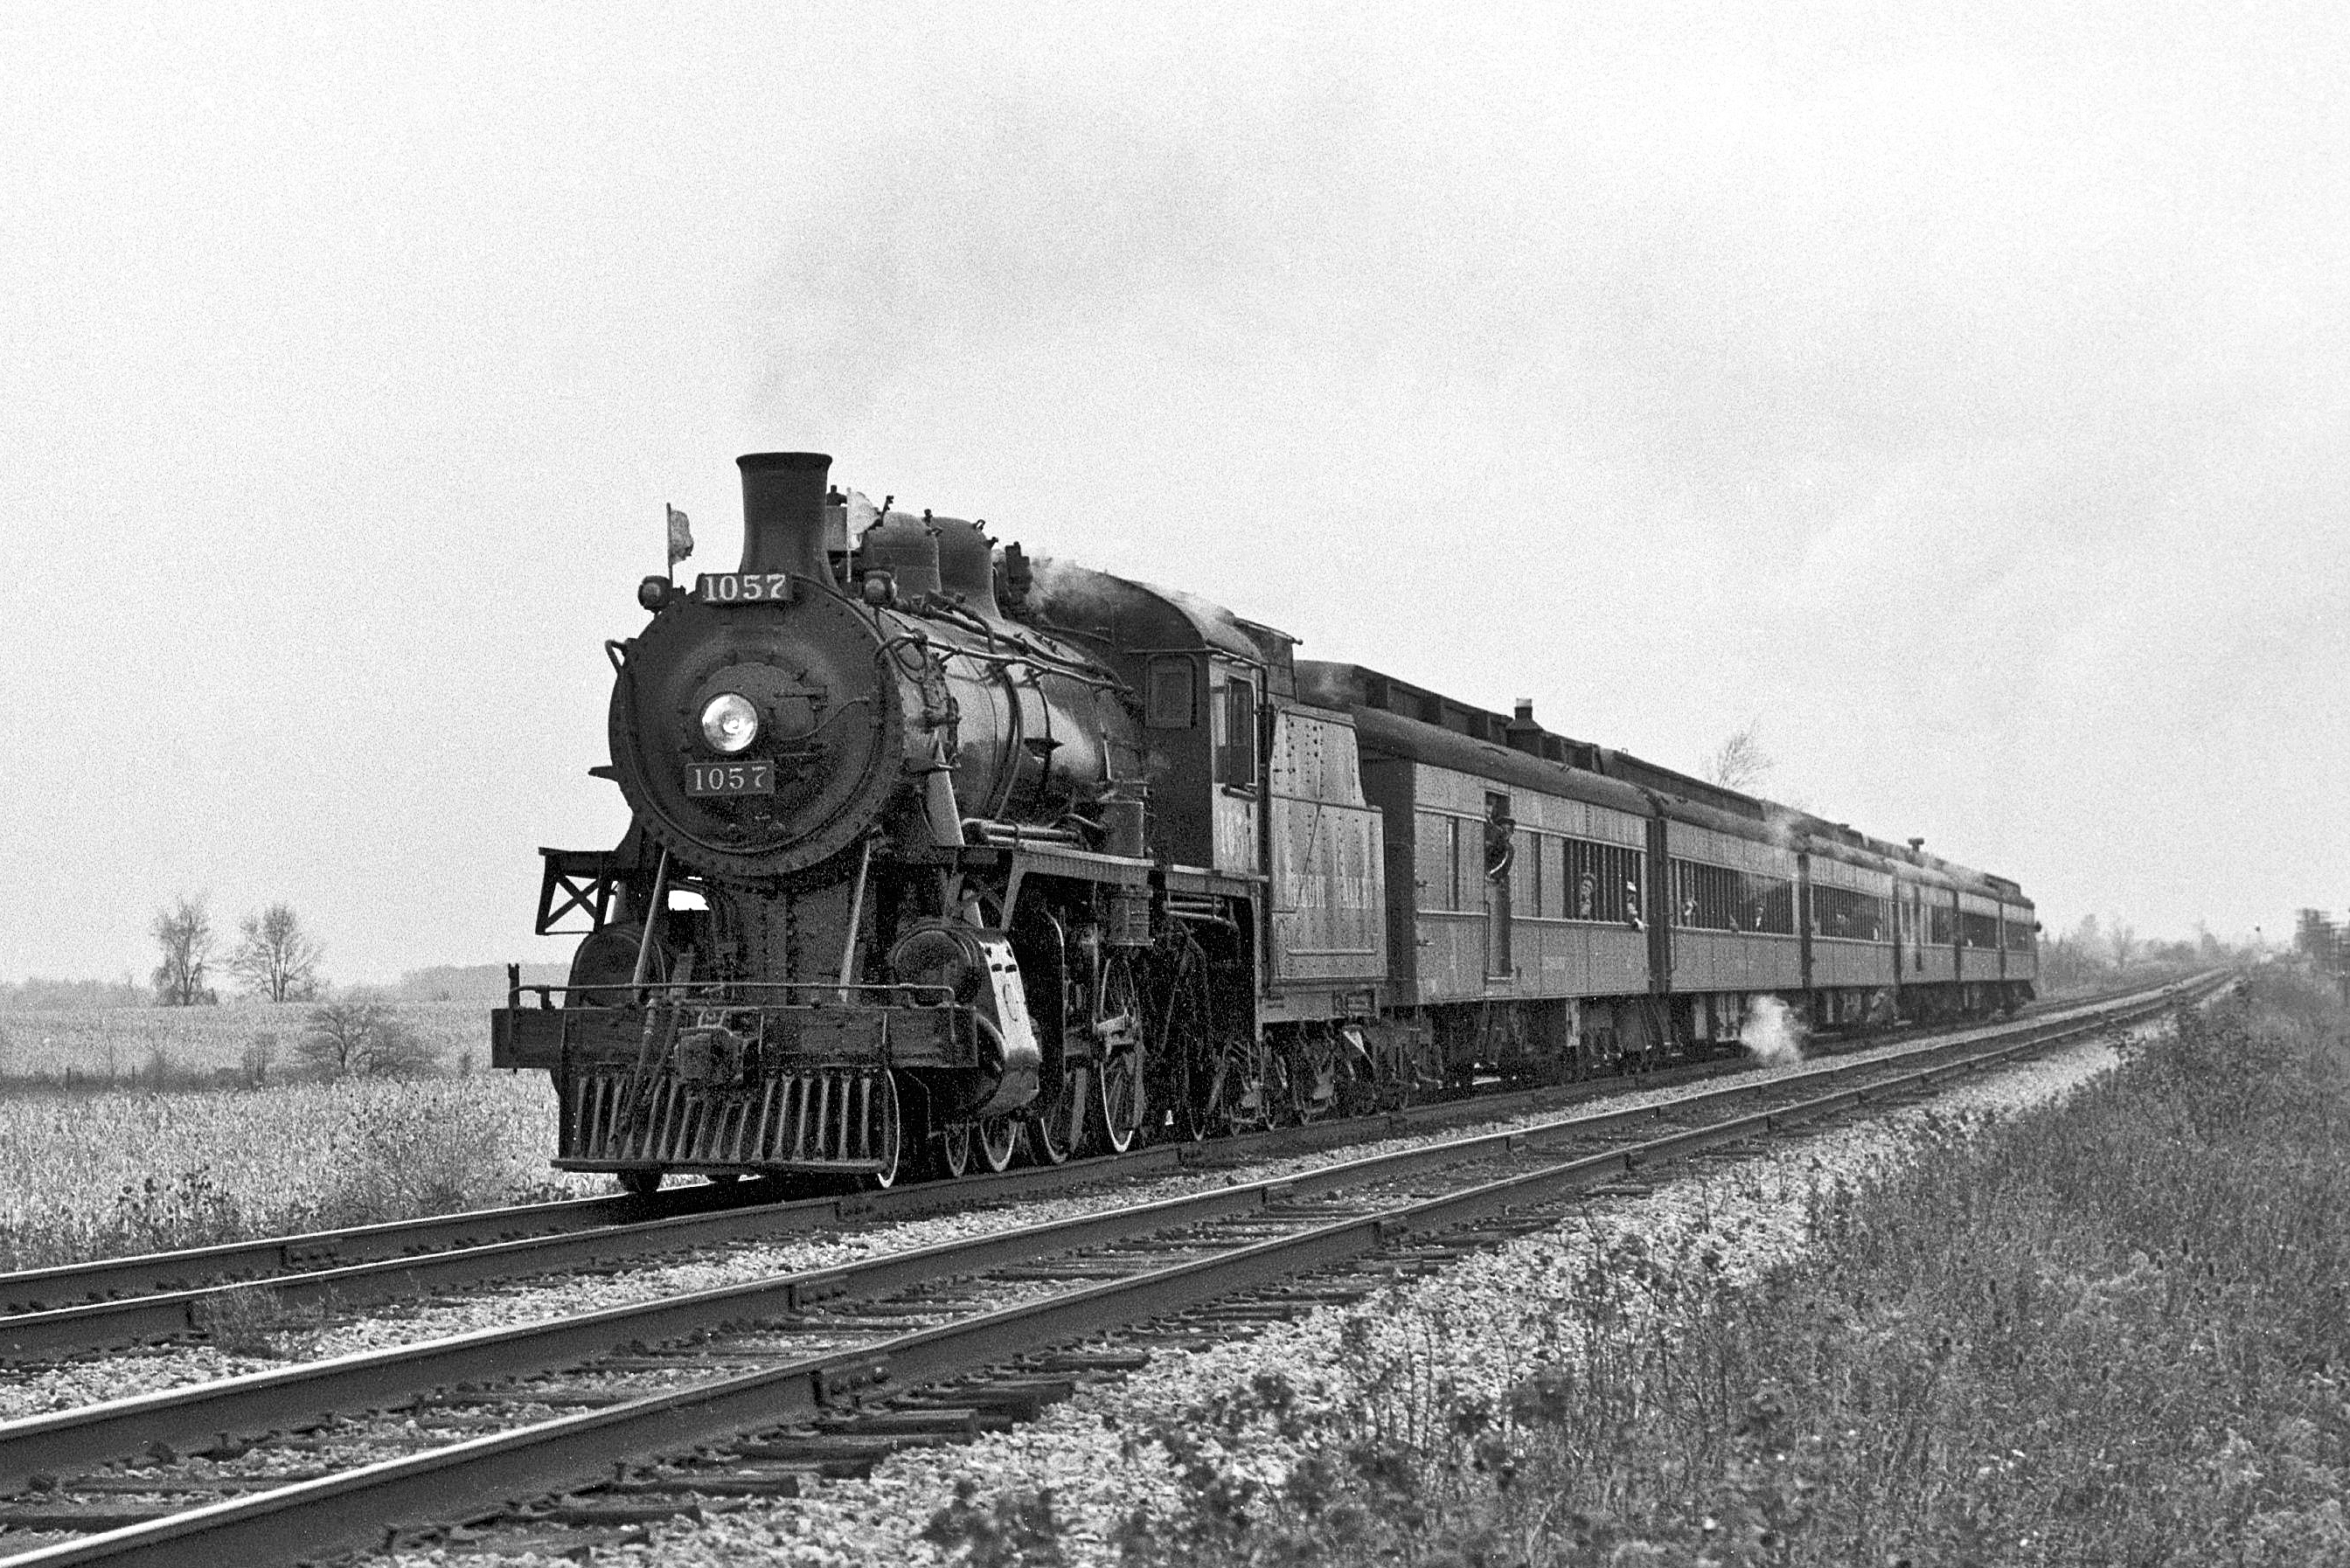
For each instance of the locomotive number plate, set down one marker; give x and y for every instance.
(730, 778)
(744, 587)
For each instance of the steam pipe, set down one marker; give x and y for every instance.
(856, 919)
(653, 912)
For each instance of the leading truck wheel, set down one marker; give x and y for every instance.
(643, 1181)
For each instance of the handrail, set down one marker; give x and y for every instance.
(722, 994)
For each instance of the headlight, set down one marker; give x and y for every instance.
(730, 722)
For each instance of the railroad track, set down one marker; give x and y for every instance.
(747, 1390)
(75, 1310)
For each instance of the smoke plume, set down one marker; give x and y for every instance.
(1772, 1033)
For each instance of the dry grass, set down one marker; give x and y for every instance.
(2113, 1331)
(114, 1173)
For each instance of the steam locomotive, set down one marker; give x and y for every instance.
(938, 855)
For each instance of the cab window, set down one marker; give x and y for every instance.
(1169, 698)
(1235, 734)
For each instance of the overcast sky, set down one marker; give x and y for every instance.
(1959, 389)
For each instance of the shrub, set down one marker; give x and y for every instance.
(407, 1163)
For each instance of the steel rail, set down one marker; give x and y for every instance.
(187, 1418)
(168, 1315)
(157, 1295)
(370, 1505)
(38, 1290)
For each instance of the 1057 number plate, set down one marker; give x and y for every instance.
(743, 588)
(730, 778)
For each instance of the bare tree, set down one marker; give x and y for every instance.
(277, 959)
(183, 929)
(362, 1035)
(2123, 939)
(1739, 762)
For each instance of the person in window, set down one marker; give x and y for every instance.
(1632, 906)
(1584, 893)
(1500, 844)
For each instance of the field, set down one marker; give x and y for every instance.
(117, 1137)
(162, 1046)
(2114, 1330)
(117, 1171)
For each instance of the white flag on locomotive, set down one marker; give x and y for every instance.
(681, 535)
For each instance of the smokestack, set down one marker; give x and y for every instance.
(782, 513)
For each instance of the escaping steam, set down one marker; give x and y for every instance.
(1772, 1033)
